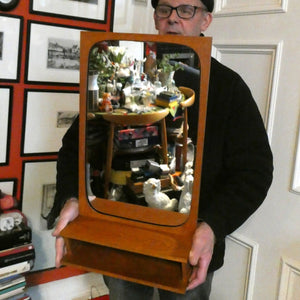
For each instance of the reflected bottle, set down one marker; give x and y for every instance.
(93, 91)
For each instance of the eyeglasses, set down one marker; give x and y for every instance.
(183, 11)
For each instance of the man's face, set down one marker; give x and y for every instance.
(175, 25)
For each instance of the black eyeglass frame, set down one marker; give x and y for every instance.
(176, 8)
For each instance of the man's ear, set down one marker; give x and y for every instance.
(155, 21)
(206, 21)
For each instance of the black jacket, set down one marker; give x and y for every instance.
(237, 165)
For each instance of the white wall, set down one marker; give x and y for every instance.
(73, 288)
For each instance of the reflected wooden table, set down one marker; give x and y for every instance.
(133, 119)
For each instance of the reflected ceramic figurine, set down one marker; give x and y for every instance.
(105, 105)
(155, 198)
(186, 193)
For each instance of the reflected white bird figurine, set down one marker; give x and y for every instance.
(157, 199)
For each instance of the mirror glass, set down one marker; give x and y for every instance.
(141, 128)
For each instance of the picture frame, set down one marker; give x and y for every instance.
(37, 174)
(86, 10)
(54, 112)
(7, 5)
(10, 47)
(6, 93)
(9, 186)
(57, 48)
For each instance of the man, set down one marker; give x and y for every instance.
(237, 166)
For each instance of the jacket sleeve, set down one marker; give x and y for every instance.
(67, 172)
(238, 163)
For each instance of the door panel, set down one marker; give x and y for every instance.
(260, 39)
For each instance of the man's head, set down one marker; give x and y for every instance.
(209, 4)
(182, 17)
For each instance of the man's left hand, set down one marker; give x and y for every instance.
(201, 254)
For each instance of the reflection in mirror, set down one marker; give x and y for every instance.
(142, 123)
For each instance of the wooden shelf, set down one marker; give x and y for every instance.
(128, 241)
(113, 246)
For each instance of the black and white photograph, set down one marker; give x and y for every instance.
(54, 112)
(39, 174)
(57, 48)
(5, 115)
(10, 47)
(65, 118)
(49, 191)
(63, 54)
(87, 10)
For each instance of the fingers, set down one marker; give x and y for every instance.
(69, 213)
(201, 254)
(61, 224)
(199, 273)
(60, 251)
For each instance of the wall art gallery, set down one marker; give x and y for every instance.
(39, 99)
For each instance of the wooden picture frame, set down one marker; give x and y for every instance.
(37, 174)
(57, 65)
(85, 10)
(54, 111)
(10, 47)
(9, 186)
(6, 96)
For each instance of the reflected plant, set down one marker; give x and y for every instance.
(116, 53)
(165, 66)
(99, 61)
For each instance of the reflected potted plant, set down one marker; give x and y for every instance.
(166, 68)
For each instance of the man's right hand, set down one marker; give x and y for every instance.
(68, 214)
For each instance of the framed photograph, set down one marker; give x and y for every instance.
(87, 10)
(10, 47)
(49, 191)
(8, 186)
(48, 115)
(39, 177)
(5, 123)
(57, 49)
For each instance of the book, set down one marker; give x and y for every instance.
(13, 287)
(18, 268)
(11, 280)
(12, 292)
(22, 296)
(167, 96)
(17, 249)
(11, 259)
(19, 235)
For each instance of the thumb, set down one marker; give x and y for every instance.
(61, 224)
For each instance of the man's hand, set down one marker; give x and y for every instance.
(201, 254)
(68, 213)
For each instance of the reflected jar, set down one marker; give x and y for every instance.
(93, 92)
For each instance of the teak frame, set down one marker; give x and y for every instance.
(127, 241)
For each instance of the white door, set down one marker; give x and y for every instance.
(260, 39)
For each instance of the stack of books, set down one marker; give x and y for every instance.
(17, 256)
(166, 99)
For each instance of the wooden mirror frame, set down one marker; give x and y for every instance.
(124, 237)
